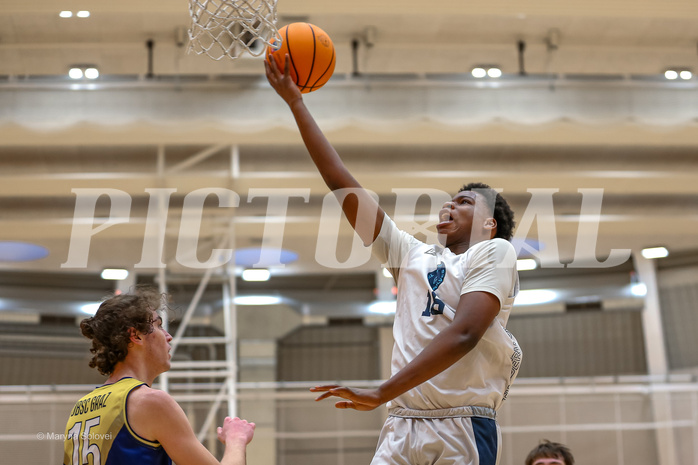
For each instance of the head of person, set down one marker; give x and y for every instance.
(494, 207)
(123, 321)
(550, 453)
(476, 213)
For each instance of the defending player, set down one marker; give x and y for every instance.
(125, 421)
(453, 360)
(550, 453)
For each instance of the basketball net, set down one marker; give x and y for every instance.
(221, 28)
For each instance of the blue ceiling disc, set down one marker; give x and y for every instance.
(263, 258)
(11, 251)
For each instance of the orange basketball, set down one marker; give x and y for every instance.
(311, 54)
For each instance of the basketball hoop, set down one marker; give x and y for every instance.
(221, 28)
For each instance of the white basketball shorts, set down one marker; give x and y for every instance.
(462, 436)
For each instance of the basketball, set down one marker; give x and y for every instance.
(311, 54)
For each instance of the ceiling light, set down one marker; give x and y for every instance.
(114, 274)
(383, 307)
(91, 73)
(638, 289)
(525, 264)
(685, 75)
(257, 300)
(79, 71)
(83, 14)
(75, 73)
(256, 274)
(90, 308)
(479, 72)
(671, 74)
(655, 252)
(486, 70)
(65, 14)
(535, 296)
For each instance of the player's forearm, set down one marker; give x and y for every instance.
(235, 453)
(336, 175)
(445, 349)
(325, 157)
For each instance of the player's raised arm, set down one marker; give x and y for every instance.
(325, 157)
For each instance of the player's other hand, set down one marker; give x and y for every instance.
(357, 399)
(236, 430)
(281, 80)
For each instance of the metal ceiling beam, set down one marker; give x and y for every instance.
(595, 8)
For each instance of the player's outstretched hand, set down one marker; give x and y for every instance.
(236, 430)
(281, 80)
(358, 399)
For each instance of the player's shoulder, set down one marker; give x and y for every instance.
(152, 414)
(499, 249)
(146, 398)
(501, 244)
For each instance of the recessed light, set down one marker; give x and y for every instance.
(257, 300)
(256, 274)
(494, 72)
(83, 14)
(535, 296)
(655, 252)
(671, 74)
(525, 264)
(115, 274)
(75, 73)
(638, 289)
(479, 72)
(65, 14)
(685, 75)
(90, 308)
(91, 73)
(383, 307)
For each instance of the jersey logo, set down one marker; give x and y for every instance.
(436, 277)
(435, 306)
(430, 252)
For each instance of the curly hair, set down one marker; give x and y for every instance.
(109, 329)
(503, 214)
(550, 450)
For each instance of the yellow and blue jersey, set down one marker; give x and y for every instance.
(98, 432)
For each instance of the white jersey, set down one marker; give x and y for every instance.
(430, 281)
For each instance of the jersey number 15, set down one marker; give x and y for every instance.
(81, 442)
